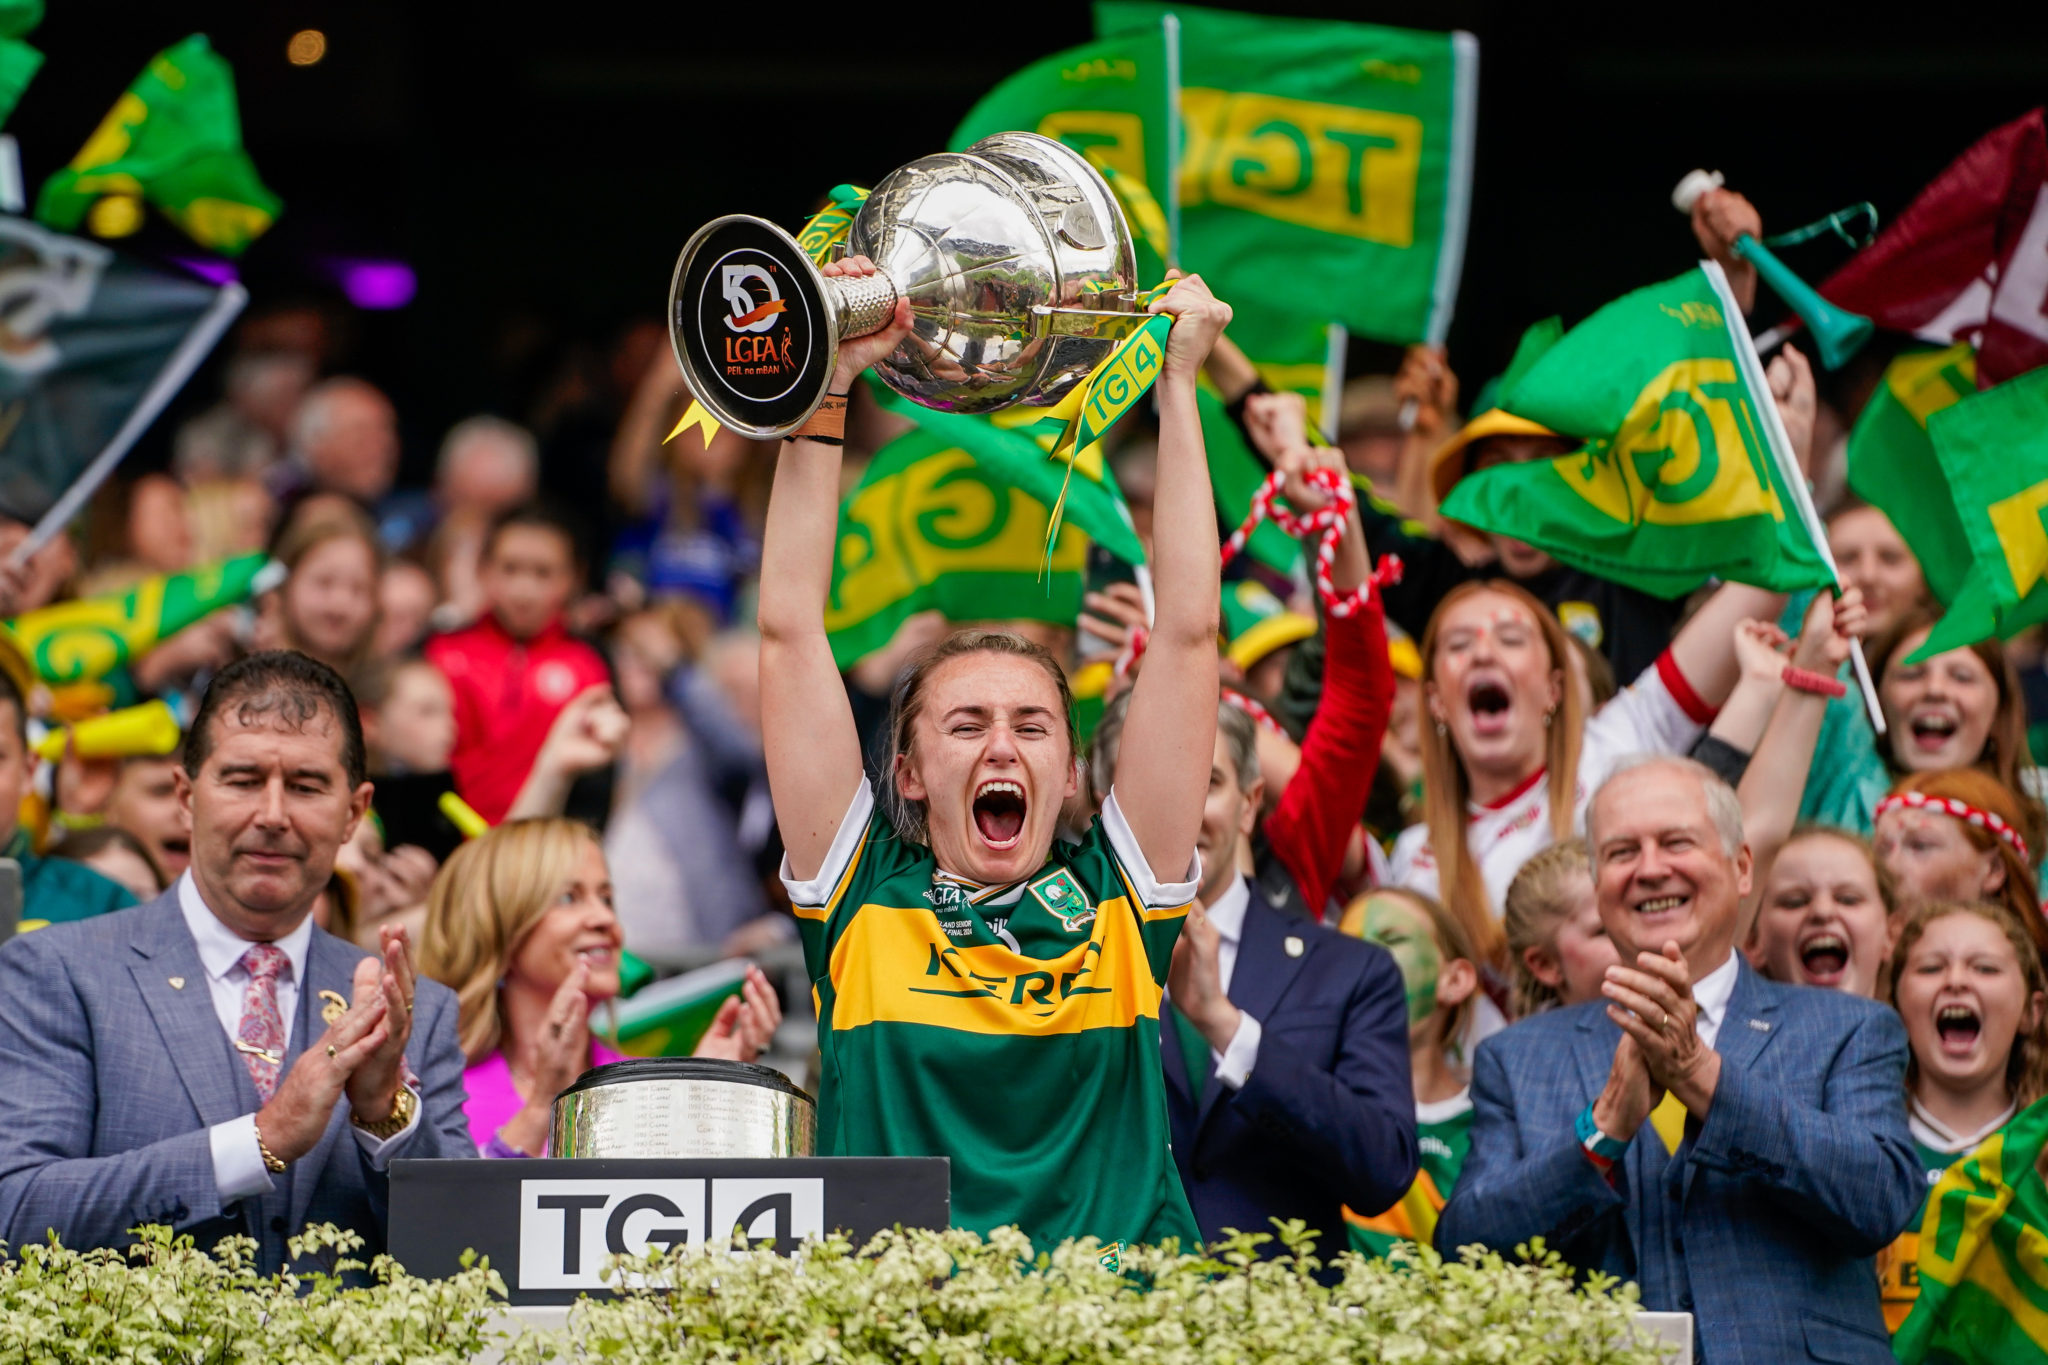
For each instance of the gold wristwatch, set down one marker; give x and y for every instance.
(402, 1106)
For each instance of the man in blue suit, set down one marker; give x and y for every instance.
(1737, 1147)
(213, 1060)
(1285, 1043)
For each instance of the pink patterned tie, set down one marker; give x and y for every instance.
(260, 1036)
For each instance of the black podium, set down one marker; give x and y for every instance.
(549, 1226)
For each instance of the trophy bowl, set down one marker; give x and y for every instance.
(683, 1107)
(1014, 255)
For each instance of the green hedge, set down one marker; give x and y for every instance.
(938, 1298)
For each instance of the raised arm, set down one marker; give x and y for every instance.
(1170, 735)
(1704, 648)
(1776, 781)
(808, 735)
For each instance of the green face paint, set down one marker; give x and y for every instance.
(1405, 932)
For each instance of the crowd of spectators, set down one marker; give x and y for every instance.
(1425, 777)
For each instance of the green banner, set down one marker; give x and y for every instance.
(1893, 467)
(175, 139)
(1993, 453)
(1325, 173)
(929, 528)
(1679, 478)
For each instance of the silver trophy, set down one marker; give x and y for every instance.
(1014, 255)
(683, 1107)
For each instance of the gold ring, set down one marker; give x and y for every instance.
(331, 1051)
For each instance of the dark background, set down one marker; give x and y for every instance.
(540, 166)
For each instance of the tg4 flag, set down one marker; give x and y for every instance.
(1680, 477)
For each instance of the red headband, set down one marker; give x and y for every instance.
(1960, 810)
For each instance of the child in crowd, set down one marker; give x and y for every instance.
(118, 856)
(517, 667)
(1824, 918)
(1972, 993)
(52, 889)
(1440, 970)
(327, 605)
(1559, 948)
(1956, 836)
(144, 803)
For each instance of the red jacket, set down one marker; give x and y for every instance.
(1310, 829)
(507, 693)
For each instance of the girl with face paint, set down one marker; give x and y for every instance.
(1440, 972)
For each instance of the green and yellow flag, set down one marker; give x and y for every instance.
(930, 528)
(1984, 1255)
(1893, 467)
(1678, 480)
(87, 638)
(1992, 452)
(1326, 172)
(174, 139)
(1113, 101)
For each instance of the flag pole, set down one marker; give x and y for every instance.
(1169, 26)
(193, 349)
(1780, 442)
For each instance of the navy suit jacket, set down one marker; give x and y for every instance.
(1327, 1117)
(1764, 1223)
(110, 1077)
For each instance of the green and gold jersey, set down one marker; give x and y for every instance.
(1014, 1029)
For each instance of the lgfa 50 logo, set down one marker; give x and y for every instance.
(759, 344)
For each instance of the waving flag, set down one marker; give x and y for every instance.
(89, 637)
(1968, 260)
(1893, 467)
(1983, 1281)
(1992, 450)
(1678, 479)
(929, 528)
(175, 139)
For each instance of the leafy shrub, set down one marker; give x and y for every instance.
(934, 1298)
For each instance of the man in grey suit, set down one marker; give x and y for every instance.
(213, 1060)
(1737, 1147)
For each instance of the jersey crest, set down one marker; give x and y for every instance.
(1059, 893)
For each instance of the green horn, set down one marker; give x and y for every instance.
(1837, 332)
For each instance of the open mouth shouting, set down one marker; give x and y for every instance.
(1491, 703)
(1824, 958)
(1930, 729)
(1959, 1027)
(999, 809)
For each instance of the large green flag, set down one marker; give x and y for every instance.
(1983, 1278)
(1893, 467)
(1112, 101)
(1679, 479)
(1326, 172)
(175, 139)
(1993, 454)
(929, 528)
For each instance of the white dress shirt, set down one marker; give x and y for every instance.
(1234, 1064)
(238, 1167)
(1711, 993)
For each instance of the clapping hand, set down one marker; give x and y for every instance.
(1654, 1005)
(388, 981)
(745, 1024)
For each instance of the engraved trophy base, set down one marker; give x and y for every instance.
(683, 1107)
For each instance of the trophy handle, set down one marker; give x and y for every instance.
(756, 327)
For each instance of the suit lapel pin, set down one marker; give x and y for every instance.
(177, 983)
(1294, 946)
(1760, 1026)
(332, 1007)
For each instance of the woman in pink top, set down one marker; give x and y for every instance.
(520, 927)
